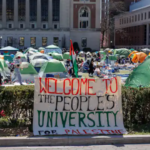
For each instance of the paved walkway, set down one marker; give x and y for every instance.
(101, 147)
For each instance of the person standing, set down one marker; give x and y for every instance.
(17, 73)
(91, 68)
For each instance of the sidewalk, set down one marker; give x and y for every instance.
(73, 140)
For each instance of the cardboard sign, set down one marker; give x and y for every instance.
(77, 106)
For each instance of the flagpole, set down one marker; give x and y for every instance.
(71, 48)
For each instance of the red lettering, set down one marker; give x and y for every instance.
(75, 87)
(106, 84)
(55, 92)
(114, 132)
(116, 85)
(64, 87)
(108, 131)
(67, 131)
(73, 131)
(78, 132)
(83, 81)
(90, 87)
(102, 131)
(120, 132)
(95, 131)
(86, 132)
(42, 88)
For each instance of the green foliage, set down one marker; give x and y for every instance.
(17, 103)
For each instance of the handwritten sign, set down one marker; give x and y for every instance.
(77, 106)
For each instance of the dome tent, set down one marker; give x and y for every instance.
(66, 55)
(5, 72)
(140, 75)
(52, 49)
(53, 68)
(57, 56)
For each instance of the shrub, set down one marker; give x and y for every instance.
(17, 103)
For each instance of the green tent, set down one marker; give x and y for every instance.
(52, 68)
(22, 56)
(57, 56)
(41, 48)
(8, 58)
(5, 72)
(140, 75)
(113, 57)
(52, 49)
(66, 55)
(30, 49)
(122, 52)
(28, 70)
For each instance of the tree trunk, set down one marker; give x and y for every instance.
(102, 44)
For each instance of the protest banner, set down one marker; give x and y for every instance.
(77, 106)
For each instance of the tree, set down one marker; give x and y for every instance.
(110, 9)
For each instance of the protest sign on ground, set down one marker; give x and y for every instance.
(77, 106)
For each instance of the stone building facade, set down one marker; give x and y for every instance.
(36, 23)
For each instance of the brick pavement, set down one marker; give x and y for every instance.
(100, 147)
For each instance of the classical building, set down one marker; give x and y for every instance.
(132, 29)
(36, 23)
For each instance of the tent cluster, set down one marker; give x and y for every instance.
(33, 64)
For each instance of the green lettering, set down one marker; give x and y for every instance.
(62, 119)
(115, 117)
(99, 118)
(56, 125)
(50, 118)
(39, 120)
(88, 116)
(81, 119)
(107, 114)
(70, 118)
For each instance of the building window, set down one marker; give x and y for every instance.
(55, 26)
(44, 10)
(84, 42)
(135, 17)
(21, 10)
(44, 26)
(84, 17)
(1, 9)
(9, 26)
(56, 41)
(138, 17)
(10, 9)
(9, 41)
(120, 21)
(33, 10)
(33, 41)
(21, 41)
(44, 41)
(32, 26)
(56, 10)
(132, 18)
(145, 16)
(142, 16)
(21, 26)
(127, 20)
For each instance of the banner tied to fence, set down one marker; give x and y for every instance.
(77, 106)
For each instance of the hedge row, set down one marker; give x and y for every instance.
(17, 103)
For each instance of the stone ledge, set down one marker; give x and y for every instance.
(73, 140)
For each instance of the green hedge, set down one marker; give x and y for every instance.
(19, 100)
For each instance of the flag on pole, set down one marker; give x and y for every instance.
(73, 59)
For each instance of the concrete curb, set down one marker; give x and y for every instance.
(73, 140)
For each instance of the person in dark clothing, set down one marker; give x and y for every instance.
(91, 67)
(1, 77)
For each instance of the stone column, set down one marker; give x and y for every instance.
(50, 12)
(4, 13)
(16, 14)
(147, 34)
(27, 14)
(39, 14)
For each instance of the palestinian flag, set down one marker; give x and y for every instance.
(73, 59)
